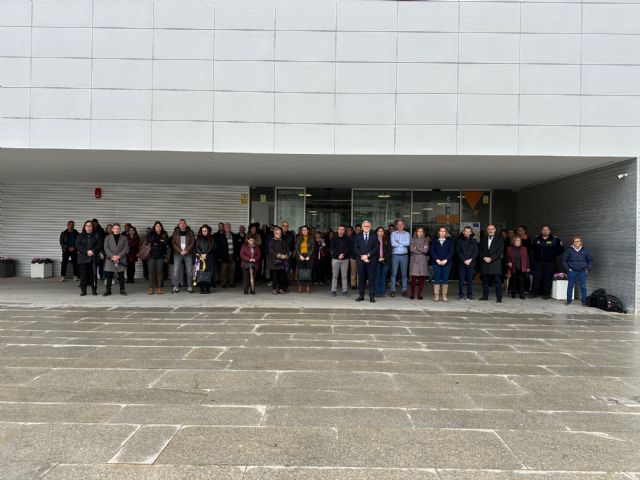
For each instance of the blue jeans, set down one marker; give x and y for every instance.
(403, 262)
(465, 274)
(380, 278)
(582, 281)
(178, 260)
(441, 273)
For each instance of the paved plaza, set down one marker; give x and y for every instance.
(395, 390)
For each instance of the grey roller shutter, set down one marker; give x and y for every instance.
(33, 215)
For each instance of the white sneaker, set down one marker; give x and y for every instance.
(62, 279)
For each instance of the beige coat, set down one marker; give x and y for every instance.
(418, 265)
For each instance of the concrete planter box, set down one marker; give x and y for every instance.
(559, 290)
(41, 270)
(7, 269)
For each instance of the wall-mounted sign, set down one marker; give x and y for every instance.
(244, 199)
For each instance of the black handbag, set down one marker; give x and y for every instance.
(204, 277)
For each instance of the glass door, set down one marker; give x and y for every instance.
(433, 209)
(262, 205)
(290, 204)
(328, 207)
(381, 207)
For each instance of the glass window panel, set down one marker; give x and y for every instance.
(381, 207)
(328, 207)
(290, 207)
(433, 209)
(262, 204)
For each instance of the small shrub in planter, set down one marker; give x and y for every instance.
(41, 267)
(41, 260)
(7, 267)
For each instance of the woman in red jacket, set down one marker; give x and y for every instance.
(518, 266)
(250, 263)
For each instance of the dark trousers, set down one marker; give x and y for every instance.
(145, 269)
(497, 281)
(110, 275)
(88, 276)
(246, 279)
(543, 277)
(279, 279)
(517, 282)
(66, 256)
(156, 272)
(366, 273)
(465, 275)
(284, 283)
(419, 281)
(131, 271)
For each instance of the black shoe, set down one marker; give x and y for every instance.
(534, 295)
(372, 300)
(522, 297)
(546, 297)
(461, 297)
(333, 294)
(83, 293)
(246, 292)
(360, 299)
(499, 300)
(469, 298)
(252, 292)
(107, 293)
(123, 293)
(483, 299)
(232, 285)
(94, 293)
(513, 295)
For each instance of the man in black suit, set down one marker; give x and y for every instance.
(365, 247)
(491, 249)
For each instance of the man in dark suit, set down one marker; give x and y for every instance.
(365, 247)
(491, 249)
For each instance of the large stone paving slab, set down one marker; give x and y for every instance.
(194, 392)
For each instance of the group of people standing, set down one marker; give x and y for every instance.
(358, 257)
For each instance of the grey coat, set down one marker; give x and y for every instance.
(419, 248)
(110, 250)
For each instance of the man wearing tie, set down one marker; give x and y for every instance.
(365, 247)
(490, 250)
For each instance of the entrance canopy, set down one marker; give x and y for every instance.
(365, 171)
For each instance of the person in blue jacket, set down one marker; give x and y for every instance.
(441, 253)
(577, 261)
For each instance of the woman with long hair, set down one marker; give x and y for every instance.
(158, 256)
(204, 251)
(383, 259)
(133, 239)
(89, 245)
(419, 267)
(441, 256)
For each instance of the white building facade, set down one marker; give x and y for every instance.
(466, 95)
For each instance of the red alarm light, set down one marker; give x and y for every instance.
(98, 192)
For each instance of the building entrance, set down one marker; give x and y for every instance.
(326, 208)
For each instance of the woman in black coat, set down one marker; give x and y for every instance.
(89, 246)
(204, 250)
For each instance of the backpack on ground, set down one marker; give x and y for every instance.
(609, 303)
